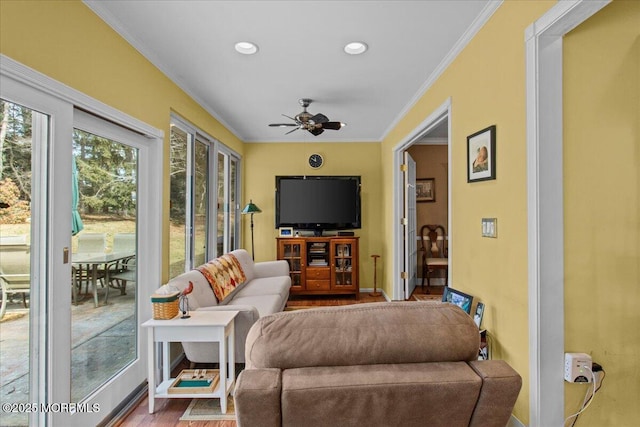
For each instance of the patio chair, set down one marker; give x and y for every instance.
(90, 243)
(125, 270)
(15, 269)
(124, 242)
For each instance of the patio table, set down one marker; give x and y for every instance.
(93, 261)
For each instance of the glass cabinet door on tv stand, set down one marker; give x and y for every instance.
(294, 252)
(344, 255)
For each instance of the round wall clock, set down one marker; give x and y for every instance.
(316, 161)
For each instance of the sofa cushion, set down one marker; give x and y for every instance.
(363, 334)
(352, 394)
(223, 274)
(267, 286)
(265, 304)
(246, 262)
(271, 268)
(201, 296)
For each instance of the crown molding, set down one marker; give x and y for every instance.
(458, 47)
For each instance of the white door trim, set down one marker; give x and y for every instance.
(429, 123)
(543, 42)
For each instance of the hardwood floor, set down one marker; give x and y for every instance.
(168, 411)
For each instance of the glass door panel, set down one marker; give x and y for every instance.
(178, 202)
(104, 311)
(220, 222)
(343, 268)
(19, 137)
(233, 203)
(200, 202)
(293, 254)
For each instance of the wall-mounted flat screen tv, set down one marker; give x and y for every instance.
(318, 203)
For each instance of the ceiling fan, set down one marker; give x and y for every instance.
(314, 123)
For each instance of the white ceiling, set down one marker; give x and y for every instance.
(300, 56)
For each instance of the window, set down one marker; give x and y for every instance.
(203, 224)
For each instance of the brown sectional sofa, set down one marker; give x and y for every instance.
(377, 364)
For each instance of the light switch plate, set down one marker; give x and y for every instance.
(490, 227)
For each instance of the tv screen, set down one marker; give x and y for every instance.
(318, 202)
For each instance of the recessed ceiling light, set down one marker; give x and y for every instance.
(355, 48)
(246, 48)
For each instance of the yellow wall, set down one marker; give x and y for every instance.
(602, 209)
(66, 41)
(486, 84)
(263, 161)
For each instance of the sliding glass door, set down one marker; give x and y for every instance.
(69, 338)
(104, 256)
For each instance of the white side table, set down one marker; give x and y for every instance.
(202, 326)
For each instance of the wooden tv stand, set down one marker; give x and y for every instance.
(321, 265)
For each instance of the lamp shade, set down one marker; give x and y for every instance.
(251, 208)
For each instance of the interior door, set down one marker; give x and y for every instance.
(410, 243)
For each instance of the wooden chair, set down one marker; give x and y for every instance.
(15, 269)
(433, 252)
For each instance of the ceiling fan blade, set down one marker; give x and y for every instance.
(332, 125)
(290, 118)
(292, 130)
(316, 131)
(282, 124)
(320, 118)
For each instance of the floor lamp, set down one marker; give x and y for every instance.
(251, 209)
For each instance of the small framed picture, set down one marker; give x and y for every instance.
(285, 231)
(425, 190)
(481, 155)
(477, 317)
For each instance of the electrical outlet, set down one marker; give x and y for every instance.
(490, 227)
(577, 367)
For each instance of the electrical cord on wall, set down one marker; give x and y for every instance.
(588, 398)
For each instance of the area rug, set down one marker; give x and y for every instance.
(427, 297)
(208, 410)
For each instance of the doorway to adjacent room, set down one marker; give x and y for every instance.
(429, 144)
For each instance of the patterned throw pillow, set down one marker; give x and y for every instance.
(223, 274)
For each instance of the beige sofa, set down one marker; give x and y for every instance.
(376, 364)
(265, 291)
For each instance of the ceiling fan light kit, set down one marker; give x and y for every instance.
(314, 123)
